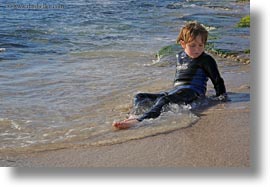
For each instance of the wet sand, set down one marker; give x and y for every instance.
(221, 138)
(215, 141)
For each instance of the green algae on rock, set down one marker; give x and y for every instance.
(244, 22)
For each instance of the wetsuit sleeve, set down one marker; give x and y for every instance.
(211, 69)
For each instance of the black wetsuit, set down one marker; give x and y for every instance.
(189, 84)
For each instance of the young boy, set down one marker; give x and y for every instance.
(193, 68)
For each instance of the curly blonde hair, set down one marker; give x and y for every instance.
(190, 31)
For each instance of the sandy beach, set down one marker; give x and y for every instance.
(220, 138)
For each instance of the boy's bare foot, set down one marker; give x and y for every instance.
(125, 124)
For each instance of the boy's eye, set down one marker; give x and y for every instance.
(193, 45)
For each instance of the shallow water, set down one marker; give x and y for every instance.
(68, 71)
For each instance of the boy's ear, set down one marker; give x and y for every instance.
(183, 44)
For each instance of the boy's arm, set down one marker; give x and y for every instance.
(212, 72)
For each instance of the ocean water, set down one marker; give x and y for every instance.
(68, 69)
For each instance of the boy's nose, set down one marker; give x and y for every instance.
(197, 49)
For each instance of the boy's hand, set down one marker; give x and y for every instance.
(222, 97)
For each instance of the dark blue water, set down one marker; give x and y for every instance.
(61, 27)
(77, 26)
(68, 68)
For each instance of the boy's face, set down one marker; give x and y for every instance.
(194, 48)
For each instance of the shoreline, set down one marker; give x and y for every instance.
(220, 138)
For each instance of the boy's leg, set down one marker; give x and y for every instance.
(155, 111)
(182, 95)
(144, 97)
(177, 95)
(144, 101)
